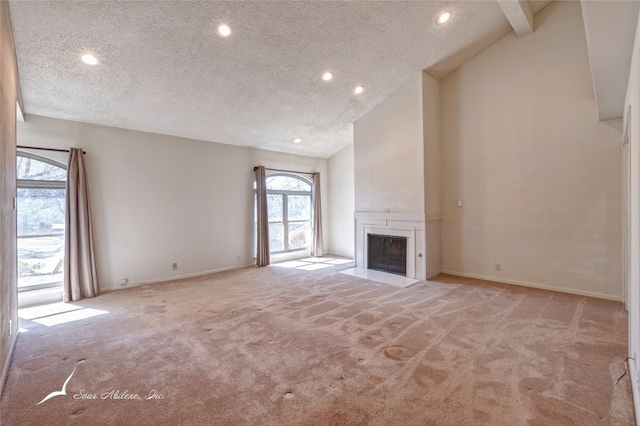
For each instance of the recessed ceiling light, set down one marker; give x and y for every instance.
(327, 76)
(223, 30)
(89, 59)
(297, 140)
(444, 17)
(358, 90)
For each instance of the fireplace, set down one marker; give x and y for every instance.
(408, 226)
(387, 253)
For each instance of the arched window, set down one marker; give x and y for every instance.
(289, 207)
(40, 210)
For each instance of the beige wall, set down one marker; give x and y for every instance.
(8, 286)
(397, 157)
(432, 174)
(539, 176)
(388, 154)
(432, 148)
(341, 200)
(160, 199)
(631, 203)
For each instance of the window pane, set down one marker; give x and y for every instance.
(40, 237)
(32, 169)
(40, 261)
(40, 211)
(298, 207)
(274, 207)
(299, 235)
(287, 183)
(276, 237)
(289, 213)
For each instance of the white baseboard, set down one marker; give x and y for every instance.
(5, 370)
(532, 285)
(179, 277)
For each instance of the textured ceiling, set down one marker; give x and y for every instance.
(162, 69)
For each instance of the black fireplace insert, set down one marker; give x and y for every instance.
(387, 253)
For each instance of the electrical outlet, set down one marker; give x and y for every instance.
(498, 267)
(238, 257)
(124, 282)
(174, 265)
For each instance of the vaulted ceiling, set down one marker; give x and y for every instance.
(162, 68)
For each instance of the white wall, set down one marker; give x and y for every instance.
(388, 153)
(397, 173)
(432, 174)
(9, 95)
(341, 202)
(160, 199)
(632, 208)
(539, 176)
(432, 147)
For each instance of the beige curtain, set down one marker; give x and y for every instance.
(80, 279)
(262, 242)
(317, 246)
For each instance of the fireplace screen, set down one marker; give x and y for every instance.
(387, 253)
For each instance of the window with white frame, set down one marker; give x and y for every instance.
(289, 208)
(40, 210)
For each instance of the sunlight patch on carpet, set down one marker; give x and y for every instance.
(46, 310)
(314, 259)
(380, 277)
(290, 264)
(339, 261)
(313, 263)
(315, 267)
(58, 313)
(70, 316)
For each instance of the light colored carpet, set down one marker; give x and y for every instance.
(381, 277)
(283, 346)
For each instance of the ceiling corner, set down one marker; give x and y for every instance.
(610, 30)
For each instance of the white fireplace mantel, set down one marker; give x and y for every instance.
(408, 225)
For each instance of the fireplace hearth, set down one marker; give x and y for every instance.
(387, 253)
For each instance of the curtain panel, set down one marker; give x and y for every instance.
(263, 257)
(80, 278)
